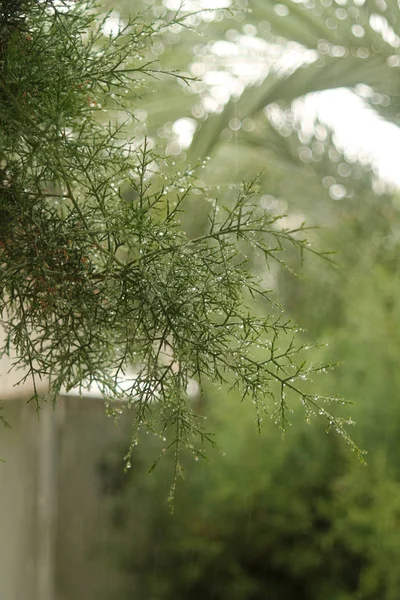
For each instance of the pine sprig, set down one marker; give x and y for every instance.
(99, 284)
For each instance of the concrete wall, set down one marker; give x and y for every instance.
(53, 516)
(22, 504)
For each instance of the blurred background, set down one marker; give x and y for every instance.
(305, 94)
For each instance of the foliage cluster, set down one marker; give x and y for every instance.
(99, 283)
(264, 520)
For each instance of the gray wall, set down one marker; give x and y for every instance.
(20, 550)
(53, 516)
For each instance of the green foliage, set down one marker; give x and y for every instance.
(99, 282)
(265, 520)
